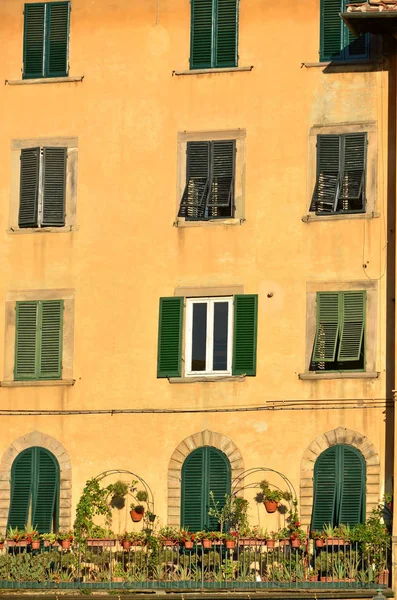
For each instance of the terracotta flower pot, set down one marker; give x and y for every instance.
(284, 543)
(65, 544)
(126, 544)
(189, 545)
(270, 543)
(35, 544)
(207, 543)
(135, 516)
(230, 544)
(270, 506)
(319, 543)
(313, 577)
(295, 543)
(383, 578)
(1, 545)
(169, 543)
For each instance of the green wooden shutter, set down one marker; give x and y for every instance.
(54, 166)
(45, 491)
(57, 39)
(352, 488)
(352, 325)
(245, 334)
(50, 327)
(331, 30)
(170, 337)
(328, 174)
(226, 30)
(352, 184)
(201, 34)
(29, 187)
(325, 490)
(21, 489)
(195, 195)
(25, 340)
(33, 41)
(219, 480)
(327, 326)
(193, 502)
(222, 169)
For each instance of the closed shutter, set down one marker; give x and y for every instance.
(352, 491)
(352, 325)
(331, 30)
(226, 29)
(245, 334)
(29, 187)
(221, 198)
(170, 337)
(46, 491)
(205, 469)
(324, 504)
(352, 183)
(201, 42)
(58, 34)
(327, 326)
(51, 320)
(33, 47)
(54, 165)
(328, 179)
(25, 340)
(21, 489)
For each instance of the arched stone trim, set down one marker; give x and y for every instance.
(340, 435)
(36, 438)
(204, 438)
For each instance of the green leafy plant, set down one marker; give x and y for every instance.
(93, 502)
(65, 535)
(330, 531)
(269, 495)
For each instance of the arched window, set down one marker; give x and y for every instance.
(339, 487)
(35, 490)
(205, 470)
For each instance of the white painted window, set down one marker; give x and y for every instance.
(209, 325)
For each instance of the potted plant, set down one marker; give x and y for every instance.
(203, 537)
(49, 539)
(33, 537)
(252, 537)
(65, 538)
(101, 537)
(271, 541)
(318, 538)
(230, 539)
(323, 565)
(118, 491)
(284, 536)
(16, 537)
(332, 535)
(169, 536)
(297, 535)
(187, 538)
(118, 572)
(137, 509)
(270, 498)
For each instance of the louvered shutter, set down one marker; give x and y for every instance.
(356, 47)
(194, 489)
(194, 199)
(328, 177)
(352, 182)
(170, 337)
(352, 325)
(219, 481)
(245, 334)
(21, 489)
(50, 365)
(54, 186)
(327, 326)
(57, 39)
(29, 187)
(325, 490)
(46, 491)
(201, 34)
(226, 28)
(222, 169)
(25, 340)
(33, 46)
(331, 30)
(352, 491)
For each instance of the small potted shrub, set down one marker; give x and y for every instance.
(118, 572)
(49, 539)
(318, 538)
(169, 536)
(118, 490)
(270, 498)
(187, 538)
(332, 535)
(137, 509)
(203, 537)
(230, 540)
(271, 541)
(33, 537)
(65, 538)
(297, 535)
(16, 537)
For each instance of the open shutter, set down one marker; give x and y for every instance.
(194, 199)
(327, 326)
(57, 39)
(352, 183)
(324, 505)
(245, 334)
(331, 30)
(25, 340)
(201, 34)
(352, 492)
(46, 491)
(221, 198)
(352, 325)
(170, 337)
(29, 187)
(33, 41)
(21, 489)
(327, 182)
(219, 481)
(226, 30)
(54, 165)
(194, 486)
(51, 321)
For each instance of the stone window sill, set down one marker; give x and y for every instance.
(38, 383)
(207, 379)
(42, 80)
(205, 71)
(317, 376)
(22, 230)
(340, 63)
(214, 222)
(339, 217)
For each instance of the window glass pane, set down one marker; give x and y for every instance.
(199, 336)
(221, 310)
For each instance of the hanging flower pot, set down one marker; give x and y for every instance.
(271, 506)
(137, 513)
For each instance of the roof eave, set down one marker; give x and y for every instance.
(378, 23)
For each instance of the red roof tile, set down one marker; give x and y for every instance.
(372, 6)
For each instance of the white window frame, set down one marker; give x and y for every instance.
(210, 335)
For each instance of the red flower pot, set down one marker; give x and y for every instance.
(1, 545)
(65, 544)
(383, 578)
(319, 543)
(270, 543)
(126, 544)
(230, 544)
(135, 516)
(295, 543)
(313, 577)
(207, 543)
(270, 506)
(284, 543)
(35, 544)
(189, 545)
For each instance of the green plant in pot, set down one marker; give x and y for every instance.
(118, 492)
(270, 498)
(137, 509)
